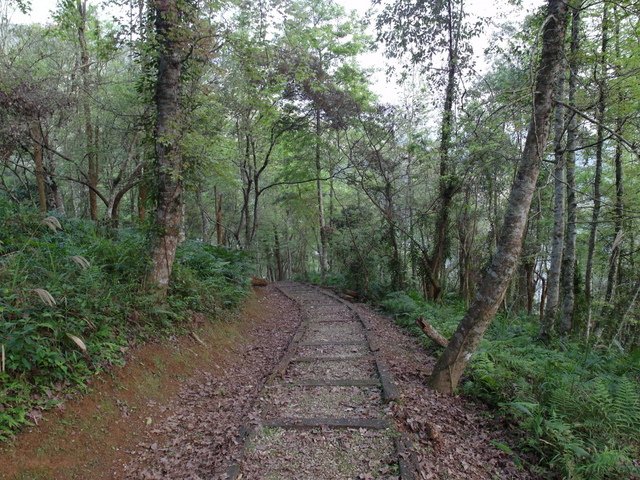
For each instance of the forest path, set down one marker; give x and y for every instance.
(323, 411)
(301, 373)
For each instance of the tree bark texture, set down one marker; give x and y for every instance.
(557, 238)
(616, 249)
(447, 185)
(569, 255)
(597, 179)
(38, 159)
(54, 194)
(324, 241)
(92, 161)
(168, 214)
(467, 224)
(219, 229)
(451, 364)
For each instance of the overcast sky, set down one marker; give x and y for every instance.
(387, 91)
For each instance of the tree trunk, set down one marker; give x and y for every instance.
(446, 183)
(219, 230)
(54, 195)
(324, 263)
(614, 261)
(142, 199)
(451, 364)
(569, 255)
(597, 195)
(204, 216)
(38, 159)
(86, 110)
(168, 214)
(557, 239)
(466, 236)
(278, 255)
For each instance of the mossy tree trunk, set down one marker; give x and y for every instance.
(168, 214)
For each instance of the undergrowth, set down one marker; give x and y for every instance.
(72, 303)
(579, 407)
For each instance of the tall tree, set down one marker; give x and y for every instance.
(451, 364)
(169, 31)
(90, 141)
(557, 238)
(601, 75)
(569, 254)
(325, 40)
(422, 30)
(616, 248)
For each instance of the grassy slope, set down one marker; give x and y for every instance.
(71, 304)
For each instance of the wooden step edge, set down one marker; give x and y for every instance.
(346, 382)
(332, 359)
(327, 422)
(330, 344)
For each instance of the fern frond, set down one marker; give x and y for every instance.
(607, 462)
(626, 406)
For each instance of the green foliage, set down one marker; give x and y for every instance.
(78, 283)
(579, 408)
(208, 277)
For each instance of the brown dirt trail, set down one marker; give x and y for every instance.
(298, 386)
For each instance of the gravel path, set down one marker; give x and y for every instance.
(323, 414)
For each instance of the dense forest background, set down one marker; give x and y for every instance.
(151, 162)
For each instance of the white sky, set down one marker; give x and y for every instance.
(387, 90)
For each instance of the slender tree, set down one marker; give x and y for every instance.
(557, 239)
(601, 106)
(618, 216)
(568, 278)
(451, 364)
(423, 31)
(89, 132)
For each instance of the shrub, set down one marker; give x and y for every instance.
(71, 302)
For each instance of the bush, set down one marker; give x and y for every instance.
(71, 303)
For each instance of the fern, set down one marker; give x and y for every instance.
(608, 463)
(626, 407)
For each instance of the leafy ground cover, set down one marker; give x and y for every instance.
(71, 304)
(578, 406)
